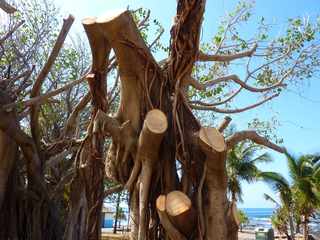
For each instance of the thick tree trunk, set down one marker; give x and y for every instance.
(8, 151)
(26, 201)
(213, 144)
(134, 214)
(181, 212)
(233, 221)
(87, 187)
(154, 128)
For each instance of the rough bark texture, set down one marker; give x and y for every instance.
(35, 208)
(153, 130)
(87, 188)
(153, 98)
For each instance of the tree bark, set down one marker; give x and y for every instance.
(165, 221)
(8, 150)
(213, 144)
(305, 227)
(87, 187)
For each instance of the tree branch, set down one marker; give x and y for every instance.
(10, 126)
(9, 33)
(115, 189)
(165, 221)
(43, 98)
(225, 123)
(7, 7)
(43, 74)
(226, 58)
(142, 23)
(236, 110)
(253, 136)
(71, 124)
(243, 84)
(189, 80)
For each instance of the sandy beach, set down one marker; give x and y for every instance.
(246, 235)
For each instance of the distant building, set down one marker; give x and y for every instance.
(107, 217)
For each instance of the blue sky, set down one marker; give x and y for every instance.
(299, 116)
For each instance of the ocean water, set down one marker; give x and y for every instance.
(258, 217)
(261, 217)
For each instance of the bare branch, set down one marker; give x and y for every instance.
(142, 23)
(7, 7)
(253, 136)
(115, 189)
(74, 116)
(172, 231)
(9, 33)
(229, 98)
(243, 84)
(189, 80)
(226, 58)
(225, 123)
(236, 110)
(53, 161)
(156, 39)
(43, 74)
(43, 98)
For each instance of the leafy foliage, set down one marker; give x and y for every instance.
(242, 163)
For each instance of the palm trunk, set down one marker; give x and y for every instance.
(117, 214)
(291, 225)
(305, 227)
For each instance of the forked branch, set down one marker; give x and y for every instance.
(43, 74)
(243, 84)
(227, 58)
(236, 110)
(253, 136)
(43, 98)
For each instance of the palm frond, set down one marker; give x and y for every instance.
(271, 199)
(292, 165)
(263, 158)
(279, 184)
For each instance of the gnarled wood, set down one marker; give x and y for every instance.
(34, 112)
(213, 145)
(150, 139)
(7, 7)
(180, 212)
(87, 186)
(133, 58)
(8, 149)
(173, 233)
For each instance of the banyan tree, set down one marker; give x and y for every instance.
(154, 146)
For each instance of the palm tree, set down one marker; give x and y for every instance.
(303, 194)
(284, 212)
(302, 170)
(316, 174)
(242, 166)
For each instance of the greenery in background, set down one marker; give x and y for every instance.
(292, 52)
(243, 218)
(242, 163)
(299, 198)
(28, 48)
